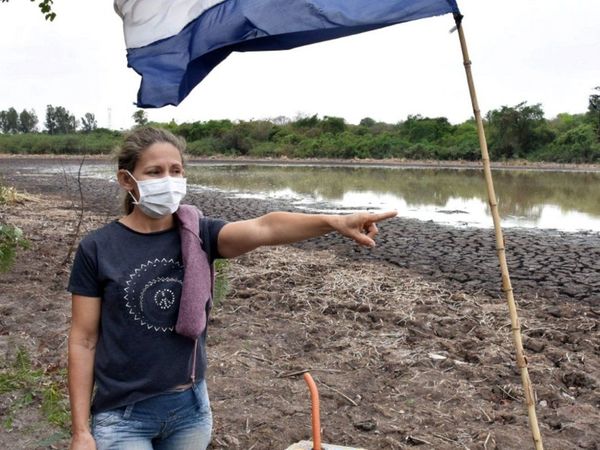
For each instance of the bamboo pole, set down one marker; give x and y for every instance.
(506, 284)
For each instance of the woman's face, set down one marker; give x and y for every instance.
(158, 161)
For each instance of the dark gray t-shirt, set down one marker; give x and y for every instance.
(138, 277)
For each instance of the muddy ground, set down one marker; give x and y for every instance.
(409, 343)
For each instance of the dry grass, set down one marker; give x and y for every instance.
(10, 196)
(369, 331)
(400, 361)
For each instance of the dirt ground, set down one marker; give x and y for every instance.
(404, 356)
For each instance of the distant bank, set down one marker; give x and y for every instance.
(519, 133)
(390, 162)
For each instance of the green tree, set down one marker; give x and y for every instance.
(59, 120)
(564, 122)
(517, 131)
(3, 122)
(594, 111)
(50, 123)
(45, 8)
(10, 123)
(140, 118)
(88, 122)
(333, 125)
(236, 140)
(367, 122)
(306, 121)
(576, 145)
(419, 129)
(28, 121)
(462, 144)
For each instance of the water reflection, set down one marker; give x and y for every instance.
(562, 200)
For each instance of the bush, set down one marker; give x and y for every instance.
(577, 145)
(11, 239)
(306, 122)
(60, 144)
(333, 125)
(199, 130)
(420, 151)
(221, 287)
(207, 146)
(265, 150)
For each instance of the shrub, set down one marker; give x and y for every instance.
(100, 142)
(578, 145)
(26, 384)
(11, 239)
(221, 281)
(207, 146)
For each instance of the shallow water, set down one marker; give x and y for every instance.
(566, 201)
(561, 200)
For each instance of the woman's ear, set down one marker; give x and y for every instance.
(125, 180)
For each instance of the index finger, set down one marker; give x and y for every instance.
(377, 217)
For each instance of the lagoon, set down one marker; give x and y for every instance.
(538, 199)
(566, 201)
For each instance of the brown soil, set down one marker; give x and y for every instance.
(404, 356)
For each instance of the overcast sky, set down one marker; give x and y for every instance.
(540, 51)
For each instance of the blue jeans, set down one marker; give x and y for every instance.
(170, 421)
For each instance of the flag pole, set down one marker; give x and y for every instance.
(500, 250)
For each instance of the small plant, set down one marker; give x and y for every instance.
(54, 403)
(11, 239)
(8, 195)
(27, 385)
(221, 281)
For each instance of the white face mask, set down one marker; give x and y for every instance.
(159, 197)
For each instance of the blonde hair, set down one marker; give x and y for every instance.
(135, 144)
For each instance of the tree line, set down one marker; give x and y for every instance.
(58, 121)
(514, 132)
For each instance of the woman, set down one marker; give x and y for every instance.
(127, 282)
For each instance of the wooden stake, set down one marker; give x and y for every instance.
(506, 285)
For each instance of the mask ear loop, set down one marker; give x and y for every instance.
(135, 201)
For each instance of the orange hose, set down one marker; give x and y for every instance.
(316, 418)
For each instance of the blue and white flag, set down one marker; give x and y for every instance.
(174, 44)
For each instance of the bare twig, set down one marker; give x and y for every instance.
(486, 441)
(340, 393)
(79, 217)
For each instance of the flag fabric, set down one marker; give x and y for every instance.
(174, 44)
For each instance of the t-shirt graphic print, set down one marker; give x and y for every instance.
(152, 292)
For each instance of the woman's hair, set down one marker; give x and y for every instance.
(135, 144)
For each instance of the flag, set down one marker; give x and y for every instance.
(174, 44)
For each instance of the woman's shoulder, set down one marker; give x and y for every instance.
(101, 234)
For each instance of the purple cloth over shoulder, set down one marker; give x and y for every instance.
(196, 293)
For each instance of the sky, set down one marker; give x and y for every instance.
(539, 51)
